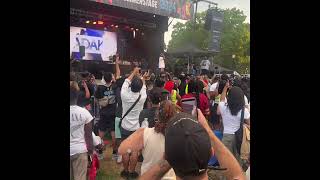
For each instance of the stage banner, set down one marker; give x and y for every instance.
(182, 9)
(98, 45)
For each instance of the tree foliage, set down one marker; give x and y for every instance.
(235, 39)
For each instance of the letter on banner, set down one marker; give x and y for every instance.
(85, 42)
(91, 43)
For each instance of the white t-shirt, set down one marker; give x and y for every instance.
(231, 123)
(161, 63)
(205, 64)
(246, 102)
(78, 118)
(153, 149)
(131, 121)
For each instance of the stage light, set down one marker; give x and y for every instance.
(100, 22)
(87, 22)
(142, 33)
(112, 25)
(132, 29)
(137, 29)
(134, 34)
(154, 15)
(94, 22)
(116, 26)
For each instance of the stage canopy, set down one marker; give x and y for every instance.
(188, 51)
(182, 9)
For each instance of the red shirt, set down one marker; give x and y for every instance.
(206, 81)
(169, 86)
(204, 102)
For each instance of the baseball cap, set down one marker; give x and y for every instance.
(187, 146)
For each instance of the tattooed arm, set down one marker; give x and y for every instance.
(157, 171)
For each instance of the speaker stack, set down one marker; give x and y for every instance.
(214, 24)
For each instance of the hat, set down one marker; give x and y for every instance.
(187, 146)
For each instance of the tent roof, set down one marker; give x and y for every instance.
(188, 50)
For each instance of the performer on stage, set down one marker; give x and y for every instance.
(205, 65)
(161, 62)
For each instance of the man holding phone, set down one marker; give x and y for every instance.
(133, 96)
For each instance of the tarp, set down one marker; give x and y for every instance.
(188, 51)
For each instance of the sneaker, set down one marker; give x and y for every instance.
(133, 175)
(119, 160)
(124, 174)
(100, 156)
(114, 157)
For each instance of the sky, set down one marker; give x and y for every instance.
(243, 5)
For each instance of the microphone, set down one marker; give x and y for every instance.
(78, 41)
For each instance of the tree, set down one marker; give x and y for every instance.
(235, 39)
(183, 34)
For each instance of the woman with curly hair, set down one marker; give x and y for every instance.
(150, 141)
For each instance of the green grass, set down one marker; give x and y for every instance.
(109, 169)
(103, 176)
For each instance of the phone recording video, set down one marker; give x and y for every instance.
(189, 105)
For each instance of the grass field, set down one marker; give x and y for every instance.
(110, 170)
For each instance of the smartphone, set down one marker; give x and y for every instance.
(188, 104)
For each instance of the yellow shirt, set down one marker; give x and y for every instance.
(174, 97)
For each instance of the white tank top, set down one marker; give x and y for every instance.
(153, 151)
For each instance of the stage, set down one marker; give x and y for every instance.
(138, 30)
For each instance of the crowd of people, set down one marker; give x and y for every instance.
(169, 123)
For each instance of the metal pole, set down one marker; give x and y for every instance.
(195, 17)
(194, 29)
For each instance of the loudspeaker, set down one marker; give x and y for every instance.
(214, 20)
(214, 23)
(82, 51)
(207, 24)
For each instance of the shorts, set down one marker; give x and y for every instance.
(106, 122)
(78, 166)
(125, 133)
(229, 140)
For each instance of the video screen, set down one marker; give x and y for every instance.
(96, 44)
